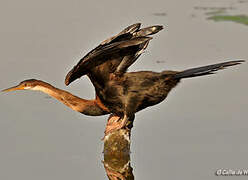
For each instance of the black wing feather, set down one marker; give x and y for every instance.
(129, 43)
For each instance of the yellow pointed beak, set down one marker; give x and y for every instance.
(18, 87)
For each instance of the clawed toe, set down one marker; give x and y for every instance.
(115, 123)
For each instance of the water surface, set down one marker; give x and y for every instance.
(200, 128)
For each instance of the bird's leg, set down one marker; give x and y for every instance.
(112, 123)
(115, 123)
(123, 121)
(127, 121)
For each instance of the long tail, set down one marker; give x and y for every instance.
(205, 70)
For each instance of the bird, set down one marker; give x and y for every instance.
(116, 54)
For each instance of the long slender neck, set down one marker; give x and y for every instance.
(87, 107)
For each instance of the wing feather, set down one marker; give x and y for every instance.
(125, 48)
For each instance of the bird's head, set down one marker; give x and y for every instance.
(29, 84)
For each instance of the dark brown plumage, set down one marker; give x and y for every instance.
(125, 93)
(113, 55)
(135, 91)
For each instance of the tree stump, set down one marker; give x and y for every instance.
(117, 150)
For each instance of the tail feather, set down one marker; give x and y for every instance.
(205, 70)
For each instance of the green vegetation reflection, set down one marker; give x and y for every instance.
(242, 19)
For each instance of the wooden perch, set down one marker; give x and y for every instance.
(117, 155)
(116, 140)
(117, 150)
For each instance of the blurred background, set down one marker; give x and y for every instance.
(200, 128)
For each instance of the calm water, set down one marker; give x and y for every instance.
(200, 128)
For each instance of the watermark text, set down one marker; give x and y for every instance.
(231, 172)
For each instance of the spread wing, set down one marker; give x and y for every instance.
(114, 55)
